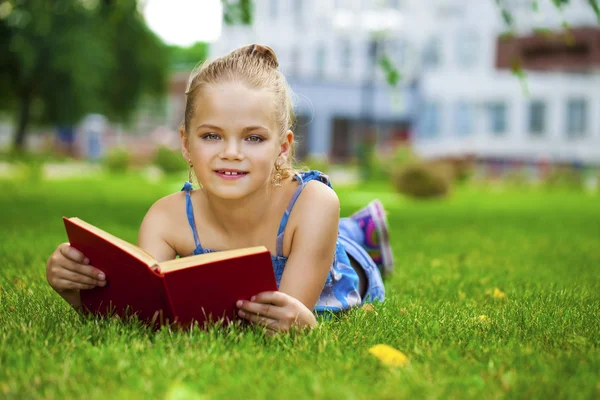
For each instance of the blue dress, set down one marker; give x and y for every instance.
(341, 287)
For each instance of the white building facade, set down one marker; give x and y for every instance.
(472, 108)
(452, 99)
(324, 49)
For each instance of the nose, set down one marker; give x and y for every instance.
(231, 150)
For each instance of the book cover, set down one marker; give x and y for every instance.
(196, 288)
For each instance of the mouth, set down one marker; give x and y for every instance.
(233, 172)
(230, 173)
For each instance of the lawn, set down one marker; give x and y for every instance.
(496, 293)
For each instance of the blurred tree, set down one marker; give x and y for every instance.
(185, 58)
(238, 11)
(62, 59)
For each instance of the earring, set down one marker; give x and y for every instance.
(276, 180)
(190, 173)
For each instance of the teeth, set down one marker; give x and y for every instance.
(231, 173)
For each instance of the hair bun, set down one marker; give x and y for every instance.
(263, 52)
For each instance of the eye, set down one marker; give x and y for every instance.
(210, 136)
(255, 139)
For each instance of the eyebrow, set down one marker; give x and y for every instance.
(247, 129)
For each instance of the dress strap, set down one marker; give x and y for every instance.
(302, 178)
(190, 212)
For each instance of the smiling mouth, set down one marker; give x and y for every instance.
(231, 173)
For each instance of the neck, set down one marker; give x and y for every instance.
(240, 216)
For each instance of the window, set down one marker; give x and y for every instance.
(466, 48)
(298, 11)
(429, 124)
(463, 118)
(371, 50)
(396, 50)
(497, 117)
(432, 53)
(395, 4)
(274, 8)
(320, 61)
(345, 55)
(576, 118)
(537, 117)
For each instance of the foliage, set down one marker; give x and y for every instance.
(382, 165)
(564, 177)
(140, 65)
(186, 58)
(117, 160)
(423, 180)
(238, 12)
(65, 58)
(320, 163)
(169, 161)
(392, 75)
(539, 340)
(516, 178)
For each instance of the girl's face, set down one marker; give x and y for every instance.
(233, 141)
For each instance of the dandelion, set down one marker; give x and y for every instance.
(484, 318)
(389, 355)
(499, 294)
(367, 307)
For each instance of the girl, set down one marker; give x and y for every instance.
(237, 140)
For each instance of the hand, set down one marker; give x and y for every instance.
(277, 311)
(67, 270)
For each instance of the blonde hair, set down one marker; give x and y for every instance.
(256, 66)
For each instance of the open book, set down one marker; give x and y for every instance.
(196, 288)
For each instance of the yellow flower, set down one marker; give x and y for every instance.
(499, 294)
(484, 318)
(389, 355)
(369, 308)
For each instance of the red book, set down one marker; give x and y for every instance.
(198, 288)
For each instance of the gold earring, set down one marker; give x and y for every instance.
(190, 173)
(276, 180)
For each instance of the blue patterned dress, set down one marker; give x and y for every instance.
(341, 287)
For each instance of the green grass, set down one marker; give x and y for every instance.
(541, 341)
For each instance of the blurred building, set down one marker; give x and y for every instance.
(328, 51)
(457, 96)
(473, 104)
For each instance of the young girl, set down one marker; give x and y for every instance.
(237, 140)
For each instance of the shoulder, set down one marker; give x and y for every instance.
(164, 207)
(317, 201)
(166, 210)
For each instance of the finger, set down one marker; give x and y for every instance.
(73, 254)
(86, 270)
(76, 277)
(278, 298)
(62, 284)
(258, 319)
(264, 310)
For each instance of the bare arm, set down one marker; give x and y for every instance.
(151, 236)
(313, 248)
(313, 245)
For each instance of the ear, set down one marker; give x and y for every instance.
(286, 145)
(185, 146)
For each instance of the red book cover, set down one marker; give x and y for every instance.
(211, 290)
(184, 290)
(131, 284)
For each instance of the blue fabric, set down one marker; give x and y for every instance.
(341, 287)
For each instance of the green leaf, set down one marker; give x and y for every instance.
(596, 8)
(392, 74)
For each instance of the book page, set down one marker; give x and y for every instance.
(200, 259)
